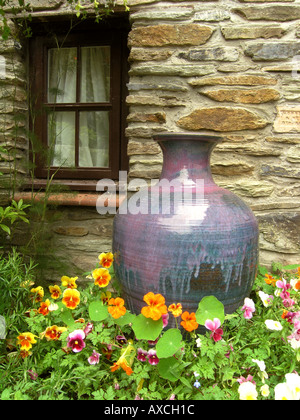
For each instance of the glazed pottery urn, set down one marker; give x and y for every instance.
(190, 238)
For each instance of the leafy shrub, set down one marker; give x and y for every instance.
(87, 345)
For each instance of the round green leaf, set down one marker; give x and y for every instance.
(170, 342)
(146, 329)
(209, 308)
(97, 311)
(125, 319)
(65, 314)
(169, 369)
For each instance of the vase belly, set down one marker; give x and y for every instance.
(186, 258)
(207, 244)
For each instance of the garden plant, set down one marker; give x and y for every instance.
(78, 341)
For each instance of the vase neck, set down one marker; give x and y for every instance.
(187, 160)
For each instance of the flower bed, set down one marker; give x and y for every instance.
(83, 343)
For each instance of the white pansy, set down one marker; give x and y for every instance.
(273, 325)
(283, 392)
(265, 390)
(247, 391)
(293, 382)
(265, 298)
(260, 363)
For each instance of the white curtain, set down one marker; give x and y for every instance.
(94, 87)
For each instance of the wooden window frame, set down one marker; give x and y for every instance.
(114, 35)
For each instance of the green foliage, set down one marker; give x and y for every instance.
(209, 308)
(169, 343)
(11, 214)
(146, 329)
(23, 9)
(190, 366)
(16, 277)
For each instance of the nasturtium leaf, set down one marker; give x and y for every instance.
(169, 368)
(170, 342)
(209, 308)
(97, 311)
(126, 319)
(65, 314)
(146, 329)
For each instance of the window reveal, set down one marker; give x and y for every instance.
(78, 90)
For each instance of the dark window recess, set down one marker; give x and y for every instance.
(78, 90)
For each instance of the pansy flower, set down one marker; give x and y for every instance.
(248, 308)
(247, 391)
(69, 282)
(189, 322)
(213, 326)
(101, 277)
(142, 355)
(94, 358)
(54, 332)
(116, 307)
(44, 307)
(121, 339)
(55, 291)
(71, 298)
(105, 296)
(273, 325)
(39, 293)
(88, 329)
(165, 319)
(33, 375)
(25, 340)
(156, 306)
(265, 298)
(25, 353)
(106, 259)
(175, 309)
(152, 357)
(76, 341)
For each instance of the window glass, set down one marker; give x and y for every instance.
(62, 64)
(61, 138)
(95, 74)
(94, 139)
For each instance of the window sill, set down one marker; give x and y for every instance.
(65, 199)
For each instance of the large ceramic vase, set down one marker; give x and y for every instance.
(205, 243)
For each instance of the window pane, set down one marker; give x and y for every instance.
(94, 139)
(95, 74)
(61, 138)
(62, 64)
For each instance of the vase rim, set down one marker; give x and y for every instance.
(188, 136)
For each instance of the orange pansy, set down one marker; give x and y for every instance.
(156, 306)
(44, 308)
(39, 293)
(116, 307)
(54, 332)
(106, 259)
(101, 276)
(175, 309)
(25, 340)
(69, 282)
(71, 298)
(55, 291)
(189, 322)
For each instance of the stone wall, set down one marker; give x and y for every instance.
(226, 66)
(230, 67)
